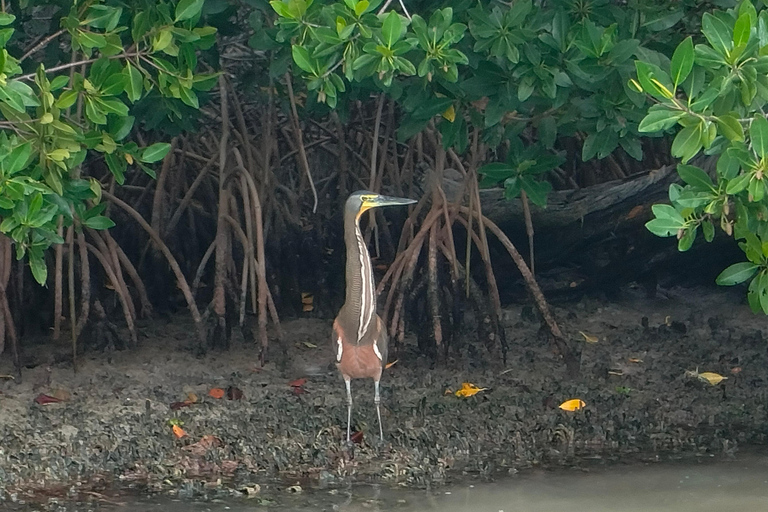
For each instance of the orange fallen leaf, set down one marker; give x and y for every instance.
(178, 431)
(216, 393)
(299, 390)
(297, 383)
(572, 405)
(468, 389)
(390, 365)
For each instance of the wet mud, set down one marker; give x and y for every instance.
(113, 425)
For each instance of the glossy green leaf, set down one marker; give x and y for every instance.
(99, 222)
(695, 177)
(737, 273)
(391, 28)
(730, 127)
(659, 120)
(719, 35)
(758, 133)
(682, 61)
(187, 9)
(155, 152)
(741, 30)
(688, 142)
(302, 59)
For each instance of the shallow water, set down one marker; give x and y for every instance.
(702, 486)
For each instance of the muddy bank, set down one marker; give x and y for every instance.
(114, 425)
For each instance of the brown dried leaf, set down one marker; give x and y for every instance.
(43, 399)
(234, 393)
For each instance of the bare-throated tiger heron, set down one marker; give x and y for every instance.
(359, 335)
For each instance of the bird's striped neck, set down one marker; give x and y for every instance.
(360, 302)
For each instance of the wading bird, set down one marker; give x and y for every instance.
(359, 336)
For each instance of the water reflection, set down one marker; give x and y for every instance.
(740, 485)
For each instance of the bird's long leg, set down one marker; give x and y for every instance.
(349, 406)
(377, 401)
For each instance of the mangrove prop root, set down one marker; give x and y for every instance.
(180, 279)
(561, 343)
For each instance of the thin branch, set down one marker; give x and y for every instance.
(300, 139)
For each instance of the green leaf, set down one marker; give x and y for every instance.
(717, 33)
(59, 82)
(38, 268)
(17, 159)
(709, 230)
(99, 222)
(682, 61)
(741, 30)
(654, 80)
(663, 227)
(730, 127)
(659, 120)
(686, 241)
(666, 211)
(155, 152)
(695, 177)
(6, 19)
(687, 142)
(758, 133)
(736, 273)
(90, 39)
(67, 99)
(391, 28)
(536, 190)
(134, 86)
(114, 84)
(302, 59)
(738, 184)
(187, 9)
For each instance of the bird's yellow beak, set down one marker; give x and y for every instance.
(376, 200)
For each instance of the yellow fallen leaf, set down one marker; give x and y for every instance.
(572, 405)
(390, 365)
(588, 338)
(712, 377)
(450, 113)
(468, 389)
(448, 391)
(309, 345)
(191, 398)
(618, 372)
(636, 360)
(128, 158)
